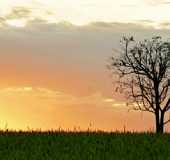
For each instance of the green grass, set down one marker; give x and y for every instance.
(83, 146)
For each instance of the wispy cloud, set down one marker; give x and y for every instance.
(54, 97)
(21, 15)
(18, 12)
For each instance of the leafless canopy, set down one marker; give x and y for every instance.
(144, 68)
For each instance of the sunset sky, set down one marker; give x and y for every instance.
(53, 57)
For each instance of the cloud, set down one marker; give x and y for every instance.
(114, 26)
(17, 16)
(2, 21)
(165, 25)
(18, 13)
(124, 27)
(54, 97)
(21, 14)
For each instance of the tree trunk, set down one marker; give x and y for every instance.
(159, 123)
(162, 122)
(158, 113)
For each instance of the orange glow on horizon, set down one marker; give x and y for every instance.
(41, 108)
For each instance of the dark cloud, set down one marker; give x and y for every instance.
(139, 25)
(2, 21)
(167, 24)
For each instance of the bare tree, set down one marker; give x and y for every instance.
(144, 69)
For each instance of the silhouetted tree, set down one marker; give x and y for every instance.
(144, 69)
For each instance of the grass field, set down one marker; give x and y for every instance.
(83, 146)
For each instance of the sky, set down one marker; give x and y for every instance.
(83, 12)
(53, 58)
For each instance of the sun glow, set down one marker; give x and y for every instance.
(41, 105)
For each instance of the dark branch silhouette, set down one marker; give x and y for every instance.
(144, 69)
